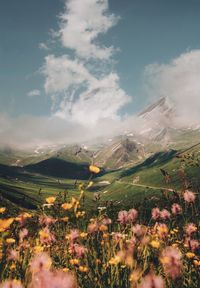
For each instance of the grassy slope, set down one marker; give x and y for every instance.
(23, 187)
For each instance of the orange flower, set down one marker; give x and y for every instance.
(5, 224)
(94, 169)
(66, 206)
(50, 200)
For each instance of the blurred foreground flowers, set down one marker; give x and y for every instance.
(63, 246)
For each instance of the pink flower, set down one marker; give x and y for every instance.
(132, 215)
(189, 196)
(106, 221)
(138, 230)
(78, 250)
(155, 213)
(176, 209)
(74, 235)
(46, 220)
(40, 262)
(54, 279)
(152, 281)
(93, 227)
(22, 234)
(46, 237)
(122, 217)
(190, 229)
(192, 244)
(165, 214)
(171, 261)
(13, 255)
(117, 237)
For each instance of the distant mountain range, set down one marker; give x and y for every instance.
(158, 131)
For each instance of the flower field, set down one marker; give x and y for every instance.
(63, 245)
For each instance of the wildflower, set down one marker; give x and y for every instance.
(94, 169)
(162, 230)
(196, 262)
(83, 235)
(46, 237)
(46, 220)
(13, 255)
(22, 218)
(165, 214)
(22, 234)
(190, 229)
(83, 269)
(155, 244)
(77, 250)
(135, 276)
(155, 213)
(54, 279)
(122, 217)
(5, 224)
(50, 200)
(2, 210)
(176, 209)
(152, 281)
(190, 255)
(93, 227)
(171, 261)
(74, 235)
(11, 284)
(115, 260)
(132, 215)
(103, 227)
(139, 230)
(117, 237)
(74, 261)
(67, 206)
(189, 196)
(10, 240)
(191, 244)
(106, 220)
(40, 262)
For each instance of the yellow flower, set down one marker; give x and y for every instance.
(114, 260)
(103, 228)
(74, 261)
(2, 210)
(50, 200)
(5, 224)
(37, 249)
(90, 184)
(196, 262)
(83, 235)
(155, 244)
(94, 169)
(10, 240)
(190, 255)
(135, 276)
(66, 206)
(83, 269)
(65, 269)
(65, 219)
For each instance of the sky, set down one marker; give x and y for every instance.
(71, 70)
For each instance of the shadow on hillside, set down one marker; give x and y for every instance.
(153, 161)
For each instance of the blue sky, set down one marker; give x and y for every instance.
(34, 40)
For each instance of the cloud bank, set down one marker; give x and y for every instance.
(179, 81)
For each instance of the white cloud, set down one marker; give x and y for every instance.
(43, 46)
(34, 93)
(81, 23)
(102, 100)
(82, 89)
(62, 73)
(179, 81)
